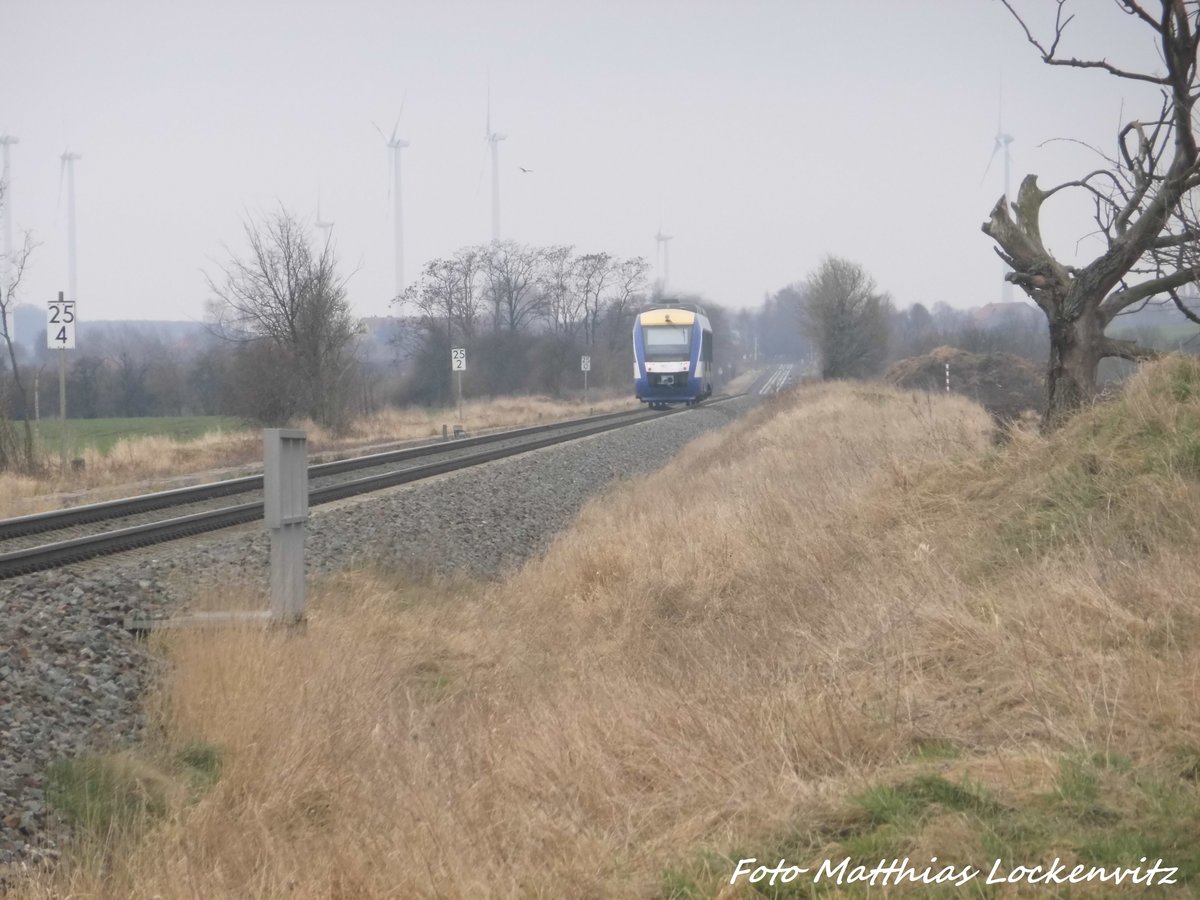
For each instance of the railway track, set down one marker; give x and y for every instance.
(778, 379)
(48, 540)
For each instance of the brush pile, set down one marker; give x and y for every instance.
(1003, 384)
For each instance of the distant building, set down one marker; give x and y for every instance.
(993, 315)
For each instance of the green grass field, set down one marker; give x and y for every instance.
(103, 433)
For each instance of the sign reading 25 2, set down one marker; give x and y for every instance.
(60, 324)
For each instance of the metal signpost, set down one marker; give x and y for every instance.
(60, 335)
(285, 509)
(285, 512)
(458, 363)
(585, 365)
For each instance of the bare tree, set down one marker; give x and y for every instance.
(846, 319)
(84, 385)
(564, 307)
(1139, 195)
(594, 275)
(514, 277)
(11, 272)
(131, 368)
(288, 296)
(448, 300)
(539, 320)
(448, 295)
(628, 284)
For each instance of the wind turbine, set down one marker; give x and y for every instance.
(1002, 140)
(68, 166)
(6, 141)
(662, 244)
(395, 145)
(494, 140)
(324, 226)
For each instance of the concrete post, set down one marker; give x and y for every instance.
(285, 482)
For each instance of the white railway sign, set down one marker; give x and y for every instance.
(585, 364)
(458, 359)
(60, 324)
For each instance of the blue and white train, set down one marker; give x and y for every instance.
(673, 355)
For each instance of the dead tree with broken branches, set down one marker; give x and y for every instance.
(1142, 210)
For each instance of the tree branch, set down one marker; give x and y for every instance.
(1130, 350)
(1083, 183)
(1119, 300)
(1107, 67)
(1060, 26)
(1132, 8)
(1178, 301)
(1175, 240)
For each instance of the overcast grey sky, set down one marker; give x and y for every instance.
(762, 134)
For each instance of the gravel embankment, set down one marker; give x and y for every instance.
(71, 676)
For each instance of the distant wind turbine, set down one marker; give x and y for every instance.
(1002, 140)
(662, 244)
(494, 140)
(323, 225)
(395, 145)
(6, 141)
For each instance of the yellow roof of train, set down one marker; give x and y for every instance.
(667, 317)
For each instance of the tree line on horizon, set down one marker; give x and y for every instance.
(838, 318)
(526, 315)
(282, 344)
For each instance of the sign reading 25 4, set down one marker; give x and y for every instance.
(60, 325)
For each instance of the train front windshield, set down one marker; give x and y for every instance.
(664, 343)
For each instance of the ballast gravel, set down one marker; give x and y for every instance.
(71, 676)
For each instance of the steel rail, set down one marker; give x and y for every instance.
(54, 520)
(46, 556)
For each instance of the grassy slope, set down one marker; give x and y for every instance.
(848, 626)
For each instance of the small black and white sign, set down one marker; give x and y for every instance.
(60, 325)
(458, 359)
(585, 364)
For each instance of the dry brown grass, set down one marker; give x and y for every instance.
(140, 464)
(711, 655)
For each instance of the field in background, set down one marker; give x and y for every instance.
(101, 435)
(126, 456)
